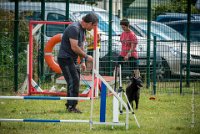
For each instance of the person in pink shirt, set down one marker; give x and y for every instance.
(129, 44)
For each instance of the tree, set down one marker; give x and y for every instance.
(7, 48)
(179, 6)
(125, 6)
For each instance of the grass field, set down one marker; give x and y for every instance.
(167, 114)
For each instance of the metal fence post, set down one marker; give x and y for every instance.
(148, 42)
(67, 10)
(110, 37)
(181, 74)
(41, 54)
(154, 65)
(188, 43)
(16, 45)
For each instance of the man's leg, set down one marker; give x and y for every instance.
(72, 76)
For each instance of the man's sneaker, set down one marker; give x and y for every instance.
(73, 110)
(66, 105)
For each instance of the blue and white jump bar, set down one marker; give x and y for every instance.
(61, 121)
(44, 98)
(43, 120)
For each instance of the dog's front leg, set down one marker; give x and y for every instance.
(136, 103)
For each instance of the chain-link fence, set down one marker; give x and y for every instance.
(172, 66)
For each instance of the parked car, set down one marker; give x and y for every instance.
(116, 31)
(56, 12)
(167, 17)
(181, 27)
(169, 44)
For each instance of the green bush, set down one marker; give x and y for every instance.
(179, 6)
(7, 48)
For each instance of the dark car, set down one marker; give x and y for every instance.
(181, 27)
(169, 43)
(168, 17)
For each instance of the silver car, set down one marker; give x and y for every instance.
(169, 44)
(103, 26)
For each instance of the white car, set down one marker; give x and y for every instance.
(169, 44)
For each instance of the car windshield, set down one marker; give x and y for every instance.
(103, 24)
(162, 32)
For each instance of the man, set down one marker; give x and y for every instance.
(128, 52)
(72, 46)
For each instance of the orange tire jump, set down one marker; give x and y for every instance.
(49, 58)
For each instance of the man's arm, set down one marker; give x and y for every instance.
(76, 48)
(79, 51)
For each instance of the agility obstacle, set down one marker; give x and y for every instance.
(33, 88)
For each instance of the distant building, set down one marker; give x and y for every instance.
(116, 6)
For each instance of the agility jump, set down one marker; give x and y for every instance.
(33, 87)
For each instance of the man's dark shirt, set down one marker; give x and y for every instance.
(73, 31)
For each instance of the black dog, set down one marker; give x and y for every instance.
(133, 91)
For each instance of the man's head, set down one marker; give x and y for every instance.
(90, 20)
(124, 24)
